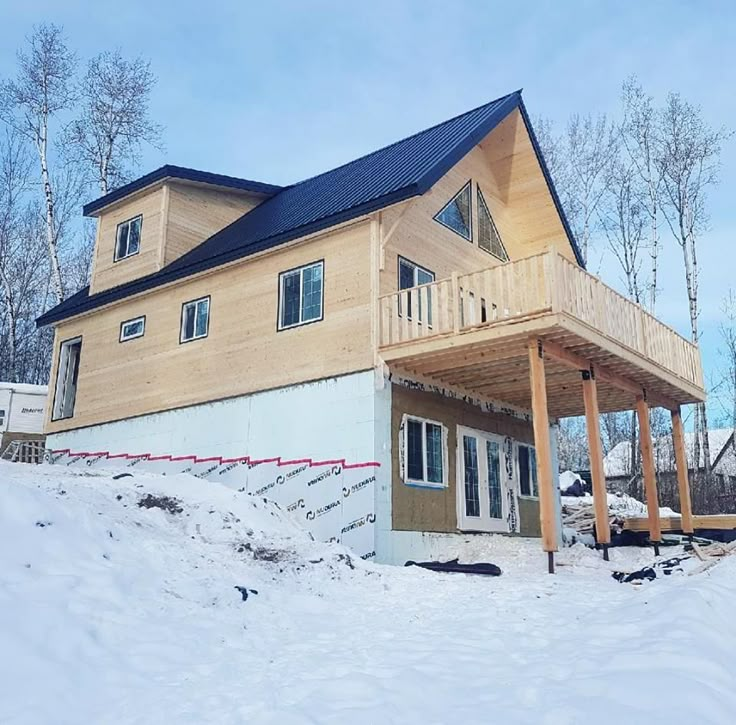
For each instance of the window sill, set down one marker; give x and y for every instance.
(425, 484)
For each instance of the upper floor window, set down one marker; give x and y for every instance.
(412, 275)
(456, 215)
(301, 295)
(488, 236)
(195, 319)
(67, 372)
(128, 240)
(130, 329)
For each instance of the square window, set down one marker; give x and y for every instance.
(128, 238)
(131, 329)
(195, 319)
(301, 295)
(424, 447)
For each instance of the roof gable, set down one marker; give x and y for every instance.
(169, 171)
(392, 174)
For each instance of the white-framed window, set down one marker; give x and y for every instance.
(128, 238)
(301, 293)
(528, 471)
(130, 329)
(195, 319)
(412, 275)
(67, 372)
(425, 452)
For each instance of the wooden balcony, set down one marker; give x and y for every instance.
(473, 331)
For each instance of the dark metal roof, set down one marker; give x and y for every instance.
(179, 172)
(397, 172)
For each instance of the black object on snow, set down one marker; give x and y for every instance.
(244, 591)
(648, 573)
(122, 475)
(645, 574)
(574, 489)
(455, 567)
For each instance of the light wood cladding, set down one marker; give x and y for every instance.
(243, 352)
(106, 272)
(176, 218)
(506, 168)
(196, 213)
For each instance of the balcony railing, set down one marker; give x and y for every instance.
(530, 287)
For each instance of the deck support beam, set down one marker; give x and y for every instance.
(595, 447)
(545, 477)
(683, 483)
(650, 477)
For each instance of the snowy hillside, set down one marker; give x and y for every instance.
(117, 612)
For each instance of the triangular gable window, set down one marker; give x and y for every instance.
(456, 215)
(488, 237)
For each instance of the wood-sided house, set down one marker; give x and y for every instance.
(422, 312)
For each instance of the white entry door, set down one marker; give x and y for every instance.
(483, 491)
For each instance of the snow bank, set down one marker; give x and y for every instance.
(114, 613)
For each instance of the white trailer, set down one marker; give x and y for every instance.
(22, 409)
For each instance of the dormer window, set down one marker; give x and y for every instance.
(456, 214)
(128, 240)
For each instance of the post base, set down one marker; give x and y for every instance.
(551, 562)
(604, 547)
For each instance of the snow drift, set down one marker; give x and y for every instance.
(150, 599)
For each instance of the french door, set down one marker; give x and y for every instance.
(483, 491)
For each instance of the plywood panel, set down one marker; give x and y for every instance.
(243, 352)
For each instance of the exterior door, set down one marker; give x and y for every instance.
(483, 493)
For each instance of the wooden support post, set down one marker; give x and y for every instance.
(545, 478)
(678, 439)
(600, 496)
(650, 477)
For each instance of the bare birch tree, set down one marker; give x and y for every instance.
(42, 88)
(114, 121)
(689, 166)
(640, 135)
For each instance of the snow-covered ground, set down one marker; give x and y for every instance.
(114, 613)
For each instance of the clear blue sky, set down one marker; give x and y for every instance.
(278, 91)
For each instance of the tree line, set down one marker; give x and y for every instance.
(68, 130)
(635, 187)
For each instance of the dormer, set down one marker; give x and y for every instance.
(147, 224)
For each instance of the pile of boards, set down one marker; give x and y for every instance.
(711, 554)
(581, 517)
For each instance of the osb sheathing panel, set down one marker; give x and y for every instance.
(243, 352)
(429, 509)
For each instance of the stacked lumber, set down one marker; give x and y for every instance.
(580, 516)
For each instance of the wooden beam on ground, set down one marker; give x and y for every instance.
(650, 477)
(723, 522)
(545, 481)
(595, 447)
(683, 484)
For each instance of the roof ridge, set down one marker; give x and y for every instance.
(405, 138)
